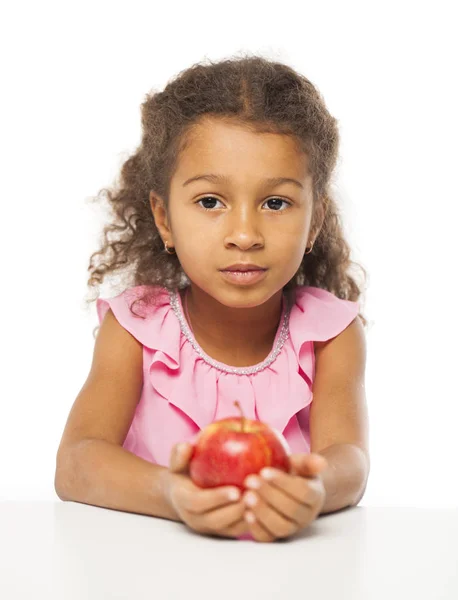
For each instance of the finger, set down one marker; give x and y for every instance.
(180, 456)
(276, 524)
(307, 465)
(301, 489)
(259, 533)
(220, 518)
(279, 500)
(234, 531)
(198, 501)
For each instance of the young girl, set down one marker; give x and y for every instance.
(236, 288)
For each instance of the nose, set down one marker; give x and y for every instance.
(243, 228)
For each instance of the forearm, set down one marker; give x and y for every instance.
(345, 477)
(103, 474)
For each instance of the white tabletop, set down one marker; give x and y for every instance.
(67, 550)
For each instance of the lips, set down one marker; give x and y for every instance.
(248, 277)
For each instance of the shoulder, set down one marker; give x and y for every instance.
(151, 321)
(115, 346)
(320, 316)
(351, 341)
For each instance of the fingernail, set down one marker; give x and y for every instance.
(249, 517)
(251, 499)
(233, 494)
(252, 482)
(268, 473)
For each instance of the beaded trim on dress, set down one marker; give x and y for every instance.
(280, 339)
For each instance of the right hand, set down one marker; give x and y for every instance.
(207, 511)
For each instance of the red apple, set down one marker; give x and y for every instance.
(227, 451)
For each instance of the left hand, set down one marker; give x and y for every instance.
(289, 502)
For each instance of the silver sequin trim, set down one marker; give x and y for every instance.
(284, 332)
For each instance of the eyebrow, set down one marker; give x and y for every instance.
(223, 179)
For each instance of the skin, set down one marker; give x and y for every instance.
(284, 503)
(245, 222)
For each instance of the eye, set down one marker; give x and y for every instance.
(213, 199)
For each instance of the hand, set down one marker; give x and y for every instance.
(289, 501)
(207, 511)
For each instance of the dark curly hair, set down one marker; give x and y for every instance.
(264, 96)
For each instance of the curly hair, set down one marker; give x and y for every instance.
(262, 95)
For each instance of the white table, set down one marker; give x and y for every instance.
(66, 550)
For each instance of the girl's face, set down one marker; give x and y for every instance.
(239, 217)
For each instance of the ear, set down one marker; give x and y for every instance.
(160, 215)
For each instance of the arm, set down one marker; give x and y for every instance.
(339, 427)
(95, 471)
(345, 478)
(92, 467)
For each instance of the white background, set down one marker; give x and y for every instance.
(73, 78)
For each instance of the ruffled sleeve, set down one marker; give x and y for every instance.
(150, 322)
(317, 316)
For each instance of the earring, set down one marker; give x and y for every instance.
(167, 249)
(310, 248)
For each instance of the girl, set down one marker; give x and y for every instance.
(236, 287)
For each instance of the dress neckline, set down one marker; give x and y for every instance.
(280, 338)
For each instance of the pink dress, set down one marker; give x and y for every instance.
(184, 389)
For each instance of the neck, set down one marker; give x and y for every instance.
(250, 330)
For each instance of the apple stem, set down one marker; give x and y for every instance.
(237, 404)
